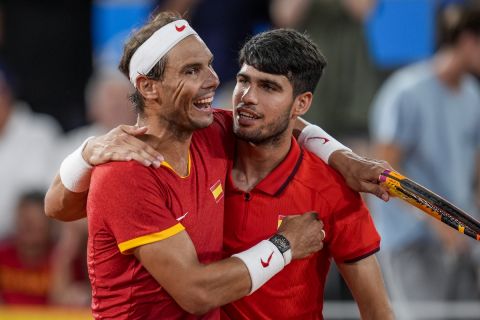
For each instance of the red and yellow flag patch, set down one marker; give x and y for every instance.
(217, 191)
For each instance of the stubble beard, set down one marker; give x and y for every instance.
(274, 131)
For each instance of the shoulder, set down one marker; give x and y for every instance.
(121, 174)
(222, 123)
(472, 87)
(321, 179)
(405, 83)
(217, 138)
(223, 116)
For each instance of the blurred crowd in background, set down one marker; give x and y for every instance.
(401, 84)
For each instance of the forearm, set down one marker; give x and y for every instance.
(317, 140)
(217, 284)
(198, 287)
(63, 204)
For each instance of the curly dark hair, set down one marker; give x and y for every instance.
(286, 52)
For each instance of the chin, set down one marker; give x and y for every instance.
(248, 135)
(203, 123)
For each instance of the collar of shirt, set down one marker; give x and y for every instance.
(279, 178)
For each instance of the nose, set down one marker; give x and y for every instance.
(248, 95)
(212, 82)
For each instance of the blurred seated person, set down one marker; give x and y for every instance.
(27, 142)
(25, 269)
(108, 106)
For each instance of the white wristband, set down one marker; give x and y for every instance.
(263, 261)
(75, 172)
(316, 140)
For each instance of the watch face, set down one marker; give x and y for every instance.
(280, 242)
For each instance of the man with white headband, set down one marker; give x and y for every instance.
(155, 233)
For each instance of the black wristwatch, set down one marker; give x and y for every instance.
(280, 242)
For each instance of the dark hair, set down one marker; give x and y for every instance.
(455, 19)
(32, 196)
(286, 52)
(136, 40)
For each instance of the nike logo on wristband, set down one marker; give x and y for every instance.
(325, 140)
(266, 264)
(180, 29)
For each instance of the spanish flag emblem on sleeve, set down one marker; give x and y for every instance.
(217, 191)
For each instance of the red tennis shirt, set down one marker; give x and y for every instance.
(301, 183)
(130, 205)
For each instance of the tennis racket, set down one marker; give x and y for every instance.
(430, 203)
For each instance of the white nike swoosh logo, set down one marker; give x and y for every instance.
(180, 218)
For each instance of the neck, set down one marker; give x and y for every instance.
(253, 162)
(5, 113)
(168, 140)
(449, 68)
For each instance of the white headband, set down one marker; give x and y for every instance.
(155, 47)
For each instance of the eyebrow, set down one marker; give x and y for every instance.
(191, 65)
(261, 80)
(195, 65)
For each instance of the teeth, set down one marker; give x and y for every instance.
(204, 101)
(246, 115)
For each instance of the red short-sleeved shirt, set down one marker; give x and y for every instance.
(130, 205)
(300, 183)
(22, 284)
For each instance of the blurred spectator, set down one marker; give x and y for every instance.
(107, 106)
(25, 270)
(27, 141)
(426, 123)
(48, 46)
(344, 96)
(70, 285)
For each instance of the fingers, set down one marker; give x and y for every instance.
(122, 144)
(375, 189)
(133, 130)
(142, 149)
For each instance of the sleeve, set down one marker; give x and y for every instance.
(394, 117)
(354, 235)
(132, 203)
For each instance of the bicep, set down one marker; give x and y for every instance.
(170, 261)
(364, 278)
(363, 275)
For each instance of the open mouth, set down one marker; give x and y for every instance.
(204, 104)
(246, 114)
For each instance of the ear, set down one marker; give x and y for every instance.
(148, 88)
(302, 103)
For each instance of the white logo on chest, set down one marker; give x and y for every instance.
(181, 217)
